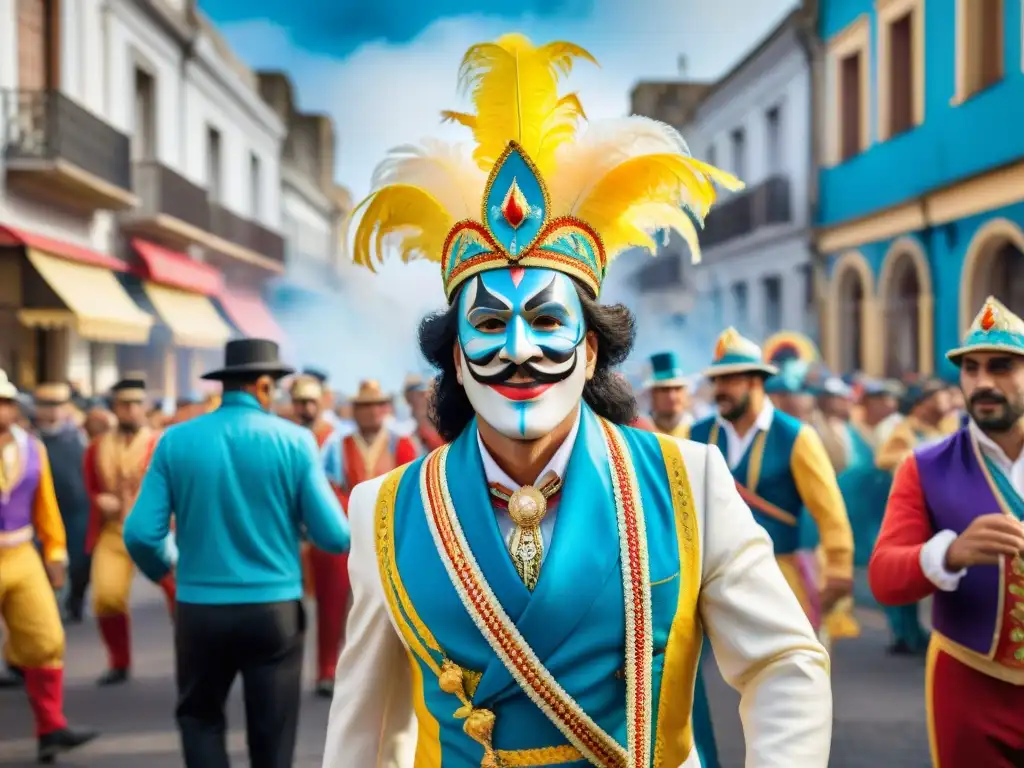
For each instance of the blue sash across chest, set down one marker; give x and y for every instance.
(574, 620)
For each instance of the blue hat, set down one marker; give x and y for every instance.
(736, 354)
(834, 386)
(995, 329)
(666, 372)
(919, 391)
(790, 380)
(316, 373)
(877, 388)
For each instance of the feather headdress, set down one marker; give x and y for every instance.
(534, 190)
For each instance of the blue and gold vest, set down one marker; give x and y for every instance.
(574, 620)
(765, 471)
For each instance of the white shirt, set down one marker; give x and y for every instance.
(737, 446)
(933, 553)
(496, 474)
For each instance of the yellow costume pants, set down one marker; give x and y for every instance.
(112, 573)
(35, 635)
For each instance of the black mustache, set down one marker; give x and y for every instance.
(524, 370)
(554, 355)
(988, 397)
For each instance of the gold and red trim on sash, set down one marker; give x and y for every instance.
(593, 743)
(422, 645)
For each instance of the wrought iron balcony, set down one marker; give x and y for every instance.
(172, 207)
(56, 149)
(248, 234)
(763, 205)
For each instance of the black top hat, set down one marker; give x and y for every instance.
(250, 357)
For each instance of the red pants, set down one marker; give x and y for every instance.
(974, 720)
(330, 583)
(115, 629)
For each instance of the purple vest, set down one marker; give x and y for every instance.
(956, 491)
(16, 507)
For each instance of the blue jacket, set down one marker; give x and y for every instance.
(244, 486)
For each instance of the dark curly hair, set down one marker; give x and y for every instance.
(606, 392)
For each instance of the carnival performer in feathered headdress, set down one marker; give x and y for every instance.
(549, 573)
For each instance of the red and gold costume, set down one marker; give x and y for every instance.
(115, 464)
(975, 667)
(350, 460)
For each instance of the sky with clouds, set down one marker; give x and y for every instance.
(383, 70)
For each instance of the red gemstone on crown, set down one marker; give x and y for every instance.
(515, 209)
(988, 319)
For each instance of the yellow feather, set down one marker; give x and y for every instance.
(635, 227)
(659, 178)
(401, 216)
(514, 88)
(463, 119)
(447, 172)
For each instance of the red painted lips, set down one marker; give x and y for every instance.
(521, 393)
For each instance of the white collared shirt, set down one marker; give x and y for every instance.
(558, 464)
(933, 553)
(736, 446)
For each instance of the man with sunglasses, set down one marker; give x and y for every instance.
(953, 529)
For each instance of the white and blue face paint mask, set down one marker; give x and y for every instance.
(523, 344)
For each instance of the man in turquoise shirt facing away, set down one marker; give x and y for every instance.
(243, 486)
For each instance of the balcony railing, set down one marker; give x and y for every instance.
(48, 126)
(248, 234)
(165, 192)
(765, 204)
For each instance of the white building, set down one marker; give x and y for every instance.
(139, 147)
(63, 169)
(756, 272)
(206, 154)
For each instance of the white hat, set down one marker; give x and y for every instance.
(7, 390)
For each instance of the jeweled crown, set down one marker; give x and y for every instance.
(552, 196)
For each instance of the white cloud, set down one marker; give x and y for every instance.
(385, 95)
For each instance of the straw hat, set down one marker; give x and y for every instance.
(306, 387)
(370, 393)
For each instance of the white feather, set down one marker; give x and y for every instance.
(604, 145)
(446, 171)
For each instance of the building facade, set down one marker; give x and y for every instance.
(921, 202)
(136, 146)
(756, 271)
(312, 207)
(64, 171)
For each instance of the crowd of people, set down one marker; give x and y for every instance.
(80, 465)
(525, 574)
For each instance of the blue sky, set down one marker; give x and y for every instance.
(384, 69)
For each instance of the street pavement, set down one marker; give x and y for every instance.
(879, 707)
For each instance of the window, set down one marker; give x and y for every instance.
(716, 306)
(144, 125)
(979, 46)
(850, 116)
(772, 303)
(739, 152)
(848, 92)
(900, 66)
(255, 186)
(711, 156)
(740, 304)
(213, 165)
(773, 139)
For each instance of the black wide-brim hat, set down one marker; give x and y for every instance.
(250, 357)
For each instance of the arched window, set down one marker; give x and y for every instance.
(902, 301)
(850, 331)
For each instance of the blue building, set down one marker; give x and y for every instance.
(921, 193)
